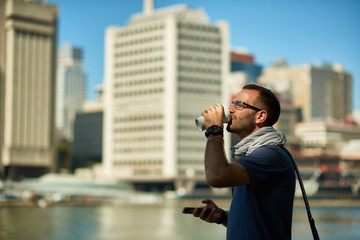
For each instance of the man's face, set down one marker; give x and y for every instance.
(243, 121)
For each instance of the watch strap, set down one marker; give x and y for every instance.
(214, 130)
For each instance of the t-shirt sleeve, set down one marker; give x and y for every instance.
(264, 164)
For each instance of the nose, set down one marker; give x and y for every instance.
(231, 108)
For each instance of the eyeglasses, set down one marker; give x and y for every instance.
(239, 105)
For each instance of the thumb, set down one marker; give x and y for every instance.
(209, 203)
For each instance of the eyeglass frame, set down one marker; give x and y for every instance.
(240, 105)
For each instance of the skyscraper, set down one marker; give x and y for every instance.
(161, 71)
(88, 131)
(70, 89)
(27, 83)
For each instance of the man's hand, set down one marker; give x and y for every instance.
(211, 216)
(213, 115)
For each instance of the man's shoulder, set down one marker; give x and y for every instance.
(271, 151)
(270, 148)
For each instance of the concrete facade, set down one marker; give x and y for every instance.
(28, 33)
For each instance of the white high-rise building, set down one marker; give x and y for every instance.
(70, 89)
(161, 70)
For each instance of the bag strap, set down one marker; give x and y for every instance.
(311, 219)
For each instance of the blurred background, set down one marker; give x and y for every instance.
(98, 101)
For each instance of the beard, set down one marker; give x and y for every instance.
(242, 126)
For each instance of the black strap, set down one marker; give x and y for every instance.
(311, 220)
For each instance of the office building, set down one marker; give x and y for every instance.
(70, 89)
(326, 137)
(320, 90)
(242, 61)
(161, 71)
(88, 134)
(289, 116)
(28, 33)
(243, 70)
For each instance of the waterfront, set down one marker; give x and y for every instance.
(154, 221)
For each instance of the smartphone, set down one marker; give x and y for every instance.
(190, 210)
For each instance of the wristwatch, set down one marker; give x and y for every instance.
(214, 130)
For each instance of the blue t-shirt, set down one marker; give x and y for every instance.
(263, 209)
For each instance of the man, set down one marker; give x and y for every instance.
(261, 173)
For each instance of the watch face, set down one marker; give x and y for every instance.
(214, 130)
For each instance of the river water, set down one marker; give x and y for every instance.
(160, 222)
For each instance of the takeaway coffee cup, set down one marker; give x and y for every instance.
(200, 122)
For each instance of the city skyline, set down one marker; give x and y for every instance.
(301, 32)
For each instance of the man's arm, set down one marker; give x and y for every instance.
(218, 171)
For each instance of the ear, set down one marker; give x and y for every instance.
(261, 117)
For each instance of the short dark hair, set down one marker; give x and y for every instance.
(267, 101)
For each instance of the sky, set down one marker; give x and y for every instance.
(302, 32)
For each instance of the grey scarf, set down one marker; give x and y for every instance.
(263, 136)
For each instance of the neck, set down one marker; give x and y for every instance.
(244, 135)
